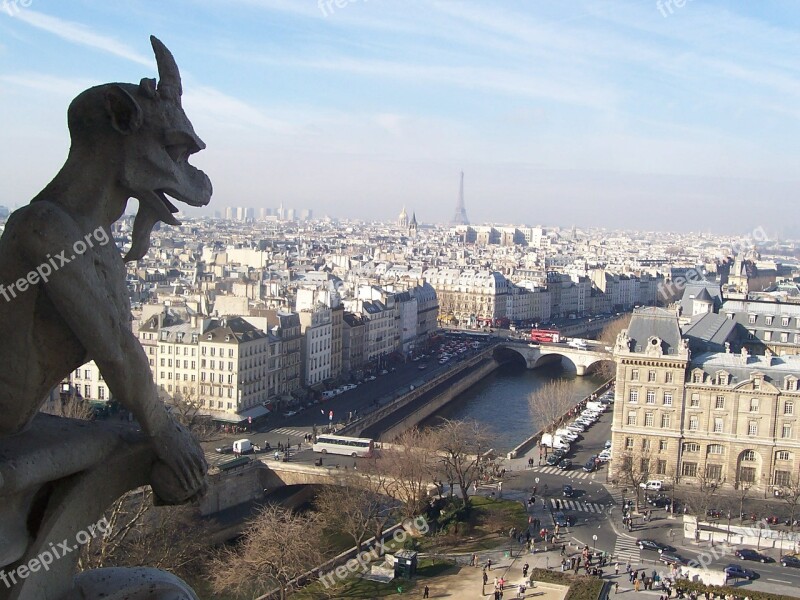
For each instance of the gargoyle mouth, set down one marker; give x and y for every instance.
(166, 209)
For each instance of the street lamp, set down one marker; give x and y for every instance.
(729, 526)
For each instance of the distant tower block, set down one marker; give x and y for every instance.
(460, 217)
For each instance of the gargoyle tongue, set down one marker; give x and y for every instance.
(152, 210)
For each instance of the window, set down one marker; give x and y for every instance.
(651, 397)
(694, 423)
(751, 319)
(714, 472)
(101, 393)
(691, 447)
(749, 455)
(753, 404)
(163, 362)
(697, 378)
(788, 408)
(769, 319)
(662, 445)
(694, 401)
(757, 383)
(720, 402)
(87, 374)
(689, 469)
(767, 335)
(666, 421)
(782, 478)
(783, 455)
(87, 391)
(646, 444)
(633, 397)
(628, 443)
(718, 426)
(648, 420)
(667, 398)
(668, 377)
(747, 474)
(661, 467)
(716, 449)
(651, 376)
(634, 374)
(786, 430)
(752, 428)
(722, 379)
(784, 337)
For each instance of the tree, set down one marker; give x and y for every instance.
(790, 493)
(635, 470)
(356, 507)
(608, 337)
(461, 445)
(138, 533)
(186, 411)
(551, 402)
(743, 489)
(411, 464)
(700, 501)
(277, 547)
(70, 406)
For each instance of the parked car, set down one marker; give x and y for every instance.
(553, 460)
(790, 561)
(226, 449)
(608, 444)
(604, 456)
(590, 465)
(654, 546)
(562, 520)
(750, 554)
(655, 485)
(370, 378)
(739, 572)
(659, 501)
(568, 491)
(565, 464)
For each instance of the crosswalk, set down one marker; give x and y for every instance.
(590, 507)
(626, 550)
(571, 474)
(288, 431)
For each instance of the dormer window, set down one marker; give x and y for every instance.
(769, 320)
(751, 319)
(209, 337)
(757, 383)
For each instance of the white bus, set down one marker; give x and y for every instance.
(340, 444)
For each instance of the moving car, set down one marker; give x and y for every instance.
(553, 460)
(739, 572)
(565, 464)
(790, 561)
(750, 554)
(655, 485)
(590, 465)
(654, 546)
(227, 449)
(608, 444)
(672, 558)
(562, 520)
(568, 492)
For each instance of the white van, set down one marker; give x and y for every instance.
(653, 485)
(242, 447)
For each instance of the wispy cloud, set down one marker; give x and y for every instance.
(79, 33)
(51, 84)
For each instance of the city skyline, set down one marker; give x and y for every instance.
(618, 115)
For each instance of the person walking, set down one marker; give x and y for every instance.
(616, 569)
(616, 587)
(425, 592)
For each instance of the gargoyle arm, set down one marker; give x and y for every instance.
(81, 298)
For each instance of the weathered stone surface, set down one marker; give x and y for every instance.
(64, 302)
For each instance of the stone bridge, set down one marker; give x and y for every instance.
(536, 355)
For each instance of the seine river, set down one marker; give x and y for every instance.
(501, 401)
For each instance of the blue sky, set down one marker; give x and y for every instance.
(635, 114)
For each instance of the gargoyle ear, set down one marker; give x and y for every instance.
(125, 112)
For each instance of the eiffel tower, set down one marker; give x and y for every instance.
(460, 217)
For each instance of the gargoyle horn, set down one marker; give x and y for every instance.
(169, 78)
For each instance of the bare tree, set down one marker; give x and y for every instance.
(355, 508)
(790, 493)
(139, 533)
(701, 500)
(743, 489)
(186, 411)
(411, 463)
(70, 406)
(608, 336)
(635, 470)
(551, 402)
(277, 547)
(461, 445)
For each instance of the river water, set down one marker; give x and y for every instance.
(501, 401)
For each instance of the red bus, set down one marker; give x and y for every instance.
(545, 335)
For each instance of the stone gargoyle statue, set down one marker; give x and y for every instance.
(64, 302)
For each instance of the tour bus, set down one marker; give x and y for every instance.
(340, 444)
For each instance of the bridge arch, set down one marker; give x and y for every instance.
(504, 354)
(549, 358)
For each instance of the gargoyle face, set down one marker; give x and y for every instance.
(146, 136)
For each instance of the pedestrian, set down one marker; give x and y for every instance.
(474, 559)
(636, 585)
(616, 569)
(563, 549)
(489, 564)
(521, 590)
(616, 587)
(485, 578)
(525, 570)
(425, 592)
